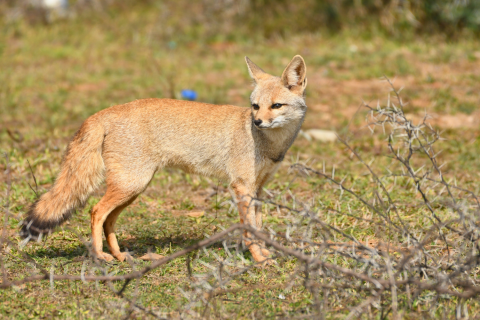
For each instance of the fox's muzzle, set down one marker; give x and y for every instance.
(257, 123)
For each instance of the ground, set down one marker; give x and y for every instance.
(53, 77)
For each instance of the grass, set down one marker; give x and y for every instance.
(53, 77)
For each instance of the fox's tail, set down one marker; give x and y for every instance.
(82, 170)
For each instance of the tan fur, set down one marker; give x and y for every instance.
(128, 143)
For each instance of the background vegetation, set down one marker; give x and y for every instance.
(57, 68)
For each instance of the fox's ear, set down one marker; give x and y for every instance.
(255, 71)
(295, 74)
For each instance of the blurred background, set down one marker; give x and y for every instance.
(63, 60)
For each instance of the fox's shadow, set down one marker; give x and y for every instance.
(138, 246)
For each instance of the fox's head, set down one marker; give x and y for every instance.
(278, 101)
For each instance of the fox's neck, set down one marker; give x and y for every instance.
(274, 143)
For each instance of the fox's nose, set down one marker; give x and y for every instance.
(257, 122)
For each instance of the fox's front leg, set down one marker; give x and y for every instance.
(246, 210)
(259, 223)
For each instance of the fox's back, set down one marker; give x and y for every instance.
(195, 137)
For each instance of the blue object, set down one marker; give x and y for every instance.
(189, 94)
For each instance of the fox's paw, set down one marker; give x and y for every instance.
(104, 256)
(122, 256)
(262, 259)
(266, 253)
(269, 262)
(265, 262)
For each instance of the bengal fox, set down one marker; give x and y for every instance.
(126, 144)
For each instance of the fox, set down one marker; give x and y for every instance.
(124, 145)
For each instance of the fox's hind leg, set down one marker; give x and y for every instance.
(109, 230)
(120, 193)
(107, 205)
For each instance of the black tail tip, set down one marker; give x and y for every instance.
(32, 231)
(37, 224)
(33, 228)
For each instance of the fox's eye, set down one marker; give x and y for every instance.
(255, 106)
(277, 105)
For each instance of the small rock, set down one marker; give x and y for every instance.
(322, 135)
(305, 135)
